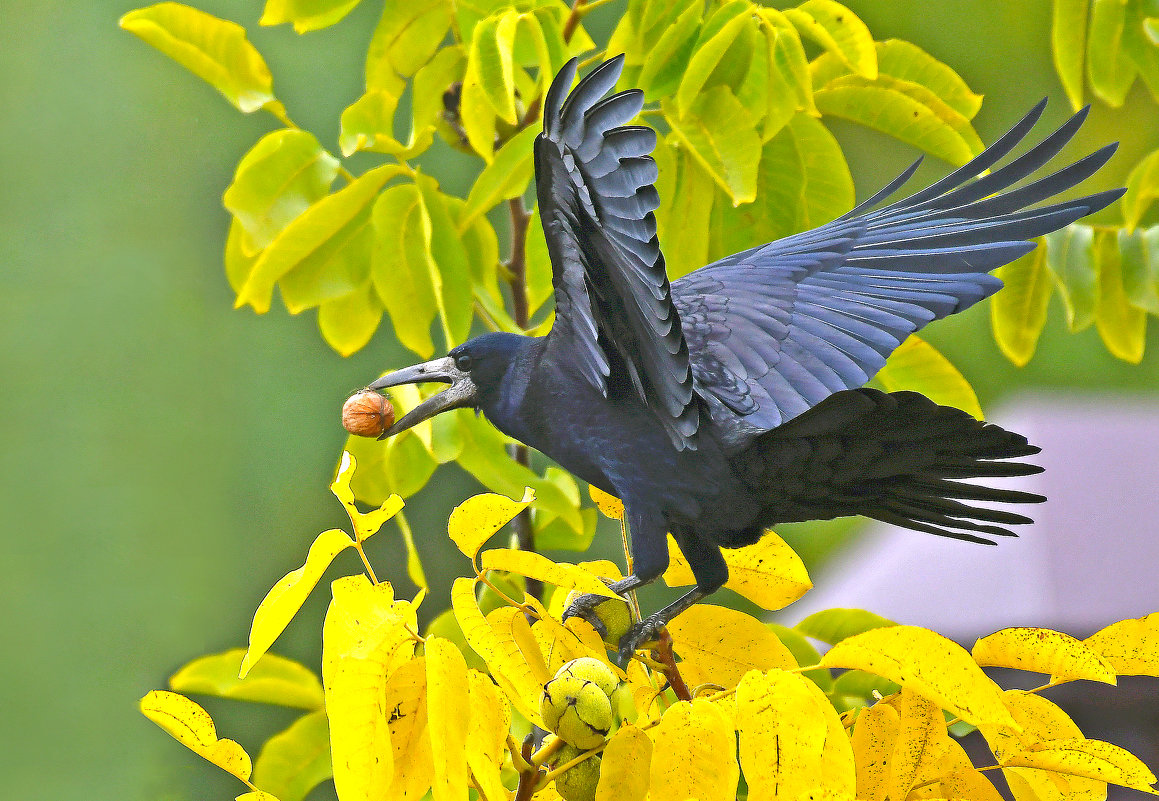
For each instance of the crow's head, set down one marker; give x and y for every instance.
(475, 371)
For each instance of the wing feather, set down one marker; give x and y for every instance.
(615, 317)
(776, 329)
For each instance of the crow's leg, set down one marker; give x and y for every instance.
(649, 542)
(711, 572)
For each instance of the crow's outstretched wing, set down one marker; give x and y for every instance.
(775, 330)
(613, 304)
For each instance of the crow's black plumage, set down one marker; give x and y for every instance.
(730, 400)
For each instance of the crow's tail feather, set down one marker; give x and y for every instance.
(899, 458)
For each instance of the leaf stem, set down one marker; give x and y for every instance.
(365, 562)
(668, 659)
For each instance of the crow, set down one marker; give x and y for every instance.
(732, 399)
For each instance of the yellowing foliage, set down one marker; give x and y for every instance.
(406, 716)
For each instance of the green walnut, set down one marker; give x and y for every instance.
(591, 669)
(614, 613)
(577, 783)
(576, 709)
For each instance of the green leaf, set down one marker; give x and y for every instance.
(491, 62)
(541, 32)
(707, 57)
(908, 62)
(1142, 190)
(918, 367)
(1068, 39)
(307, 15)
(273, 680)
(789, 80)
(335, 269)
(213, 49)
(1122, 326)
(281, 176)
(368, 124)
(1071, 258)
(238, 263)
(400, 465)
(407, 35)
(482, 247)
(347, 323)
(431, 82)
(902, 109)
(452, 260)
(507, 176)
(1139, 264)
(295, 761)
(551, 532)
(686, 196)
(805, 654)
(720, 133)
(668, 60)
(839, 31)
(1110, 71)
(312, 234)
(861, 684)
(803, 182)
(1018, 310)
(403, 268)
(477, 116)
(831, 626)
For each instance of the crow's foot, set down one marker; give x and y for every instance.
(585, 607)
(646, 631)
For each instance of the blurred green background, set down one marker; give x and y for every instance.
(166, 458)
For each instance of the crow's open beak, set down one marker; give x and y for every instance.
(461, 392)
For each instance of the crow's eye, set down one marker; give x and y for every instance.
(463, 362)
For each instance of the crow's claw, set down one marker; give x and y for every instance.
(646, 631)
(585, 607)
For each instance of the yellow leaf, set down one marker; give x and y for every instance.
(609, 505)
(928, 663)
(406, 700)
(490, 720)
(1042, 651)
(365, 524)
(720, 645)
(510, 622)
(693, 754)
(769, 573)
(1041, 721)
(838, 30)
(1091, 759)
(785, 723)
(191, 726)
(502, 654)
(625, 768)
(538, 566)
(448, 710)
(474, 521)
(256, 795)
(274, 680)
(1130, 646)
(917, 366)
(365, 638)
(213, 49)
(921, 739)
(286, 597)
(873, 740)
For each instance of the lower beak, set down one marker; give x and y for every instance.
(461, 392)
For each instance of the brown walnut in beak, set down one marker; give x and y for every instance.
(461, 393)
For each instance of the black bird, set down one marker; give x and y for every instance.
(728, 401)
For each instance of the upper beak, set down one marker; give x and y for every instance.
(460, 393)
